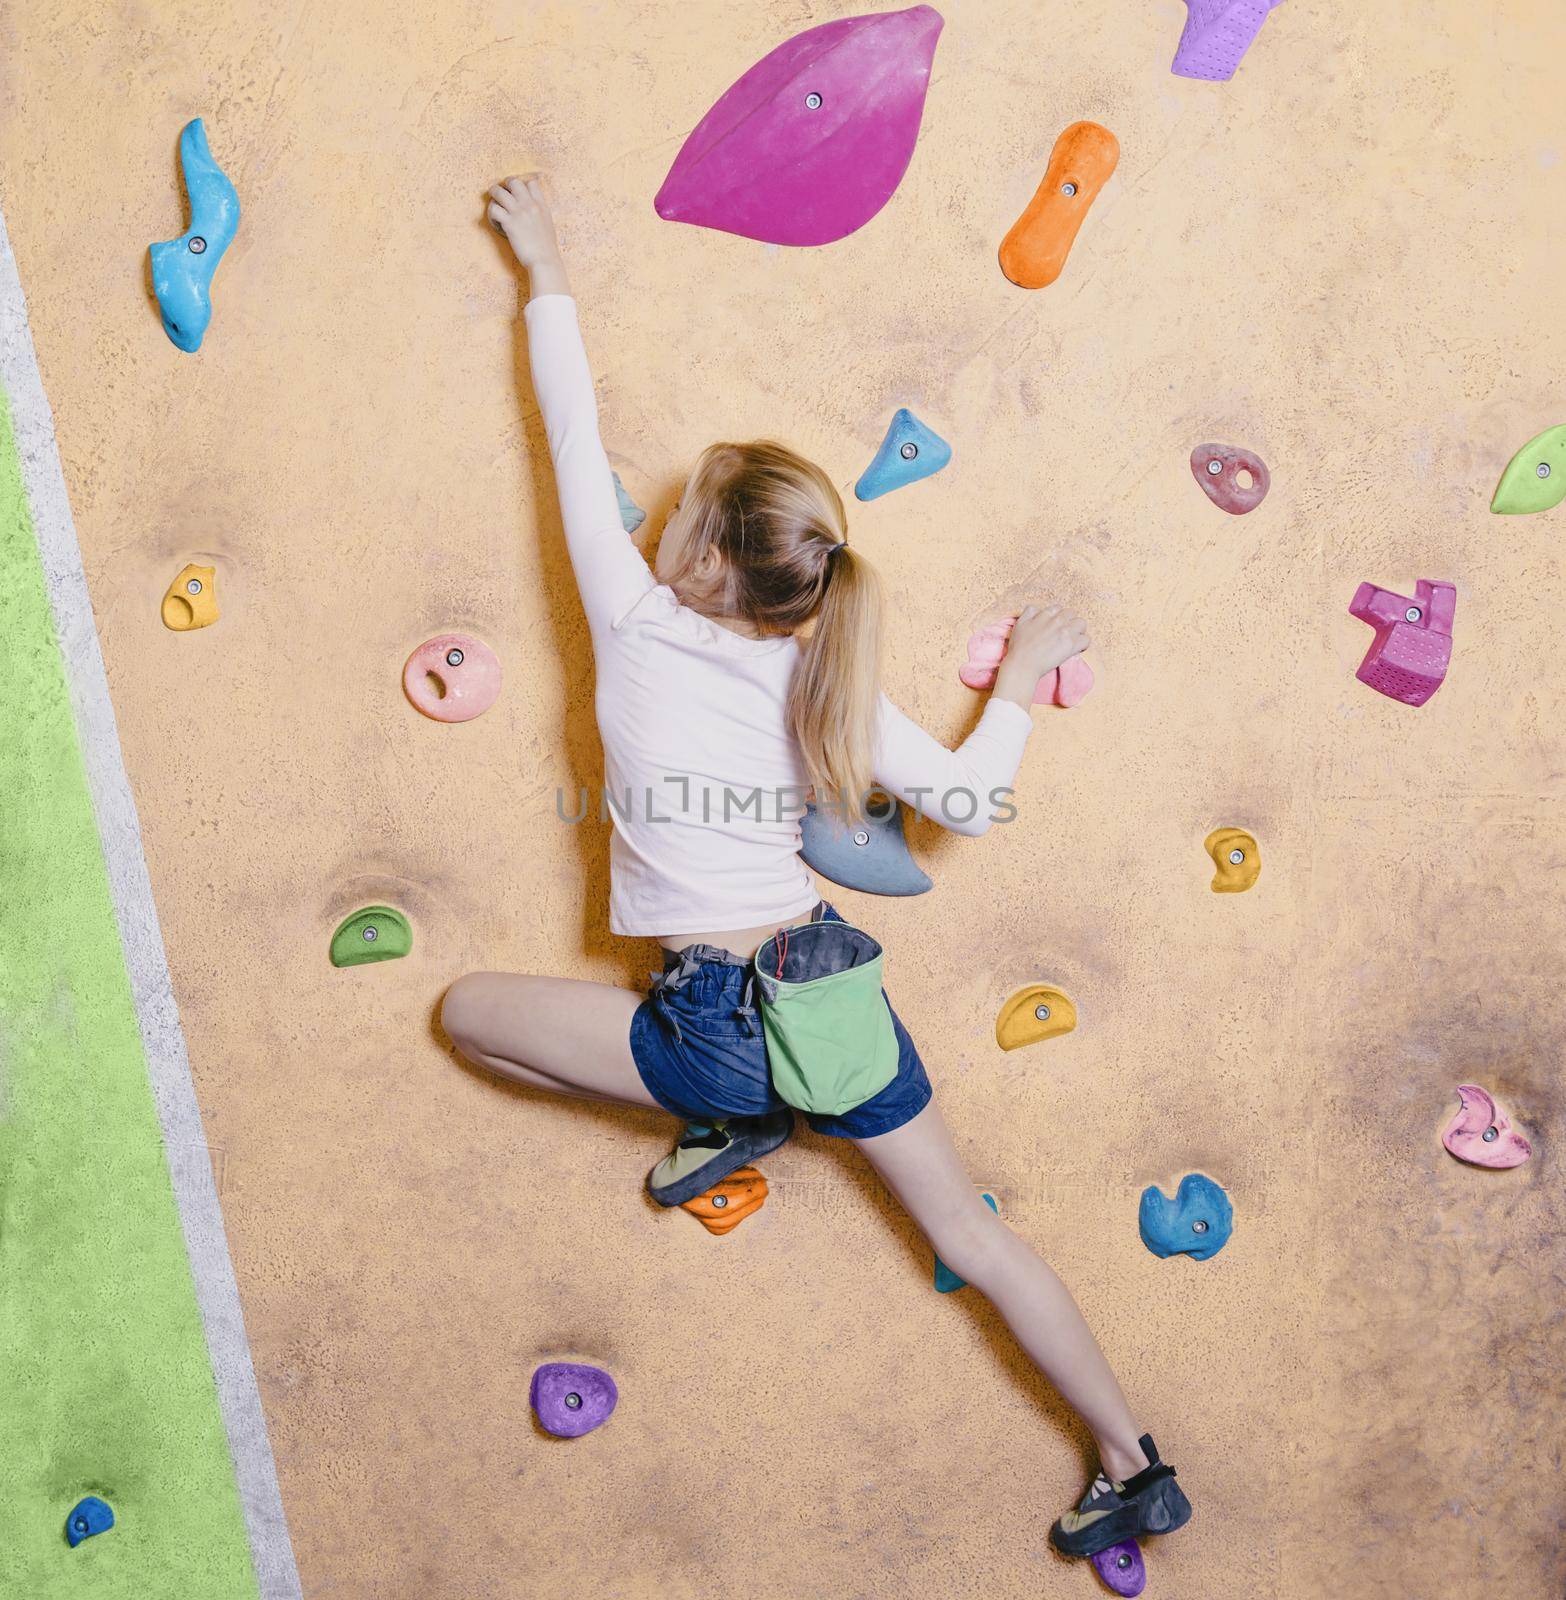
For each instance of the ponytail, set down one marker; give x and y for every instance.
(834, 702)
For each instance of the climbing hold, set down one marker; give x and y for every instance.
(1066, 685)
(1237, 859)
(1035, 250)
(867, 853)
(813, 140)
(1535, 478)
(1217, 468)
(571, 1399)
(1217, 35)
(88, 1516)
(1482, 1134)
(1038, 1012)
(191, 600)
(183, 268)
(631, 515)
(1122, 1568)
(722, 1208)
(947, 1281)
(1196, 1223)
(1408, 658)
(452, 678)
(377, 933)
(909, 452)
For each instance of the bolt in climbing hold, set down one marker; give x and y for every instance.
(720, 1201)
(1198, 1226)
(861, 838)
(181, 611)
(182, 286)
(1236, 856)
(377, 933)
(1413, 614)
(1215, 467)
(1530, 483)
(1068, 188)
(755, 167)
(571, 1398)
(907, 440)
(1038, 1012)
(88, 1517)
(1490, 1135)
(449, 695)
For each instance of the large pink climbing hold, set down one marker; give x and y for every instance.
(1408, 658)
(1067, 685)
(1217, 35)
(810, 143)
(1482, 1134)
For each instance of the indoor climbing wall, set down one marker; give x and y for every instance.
(1335, 272)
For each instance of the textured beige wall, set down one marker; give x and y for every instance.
(1347, 259)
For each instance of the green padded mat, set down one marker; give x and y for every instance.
(105, 1383)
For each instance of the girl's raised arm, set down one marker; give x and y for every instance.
(610, 571)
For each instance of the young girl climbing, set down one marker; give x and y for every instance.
(746, 663)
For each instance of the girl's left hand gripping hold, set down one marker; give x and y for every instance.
(518, 209)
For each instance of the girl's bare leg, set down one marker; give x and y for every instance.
(562, 1034)
(920, 1165)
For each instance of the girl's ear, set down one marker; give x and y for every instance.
(707, 564)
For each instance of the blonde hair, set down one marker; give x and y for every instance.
(776, 522)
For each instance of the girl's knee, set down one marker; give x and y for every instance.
(462, 1007)
(970, 1242)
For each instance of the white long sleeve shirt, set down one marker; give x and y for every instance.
(703, 780)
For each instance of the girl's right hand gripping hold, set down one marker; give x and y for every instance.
(1043, 638)
(518, 209)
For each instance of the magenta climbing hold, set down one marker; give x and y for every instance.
(1122, 1568)
(1482, 1134)
(452, 678)
(1408, 658)
(813, 140)
(572, 1398)
(1217, 35)
(1217, 467)
(1066, 686)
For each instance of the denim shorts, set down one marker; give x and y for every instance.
(698, 1044)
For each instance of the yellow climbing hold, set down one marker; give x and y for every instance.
(191, 601)
(1237, 859)
(1038, 1012)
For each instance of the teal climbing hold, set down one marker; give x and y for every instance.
(1535, 478)
(377, 933)
(183, 268)
(88, 1516)
(909, 452)
(631, 515)
(946, 1281)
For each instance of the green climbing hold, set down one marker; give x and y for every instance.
(377, 933)
(1535, 478)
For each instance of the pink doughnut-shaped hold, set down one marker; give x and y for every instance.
(452, 678)
(1066, 686)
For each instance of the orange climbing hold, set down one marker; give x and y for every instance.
(1035, 250)
(727, 1204)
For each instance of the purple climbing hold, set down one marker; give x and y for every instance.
(1412, 649)
(814, 139)
(1122, 1568)
(572, 1399)
(1217, 34)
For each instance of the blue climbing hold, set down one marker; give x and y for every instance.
(909, 452)
(631, 515)
(945, 1279)
(88, 1517)
(182, 268)
(1196, 1223)
(867, 853)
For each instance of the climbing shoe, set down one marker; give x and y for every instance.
(708, 1152)
(1150, 1501)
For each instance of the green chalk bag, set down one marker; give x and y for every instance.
(830, 1043)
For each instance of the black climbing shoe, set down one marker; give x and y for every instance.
(1149, 1501)
(708, 1153)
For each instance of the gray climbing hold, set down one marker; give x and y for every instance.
(870, 854)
